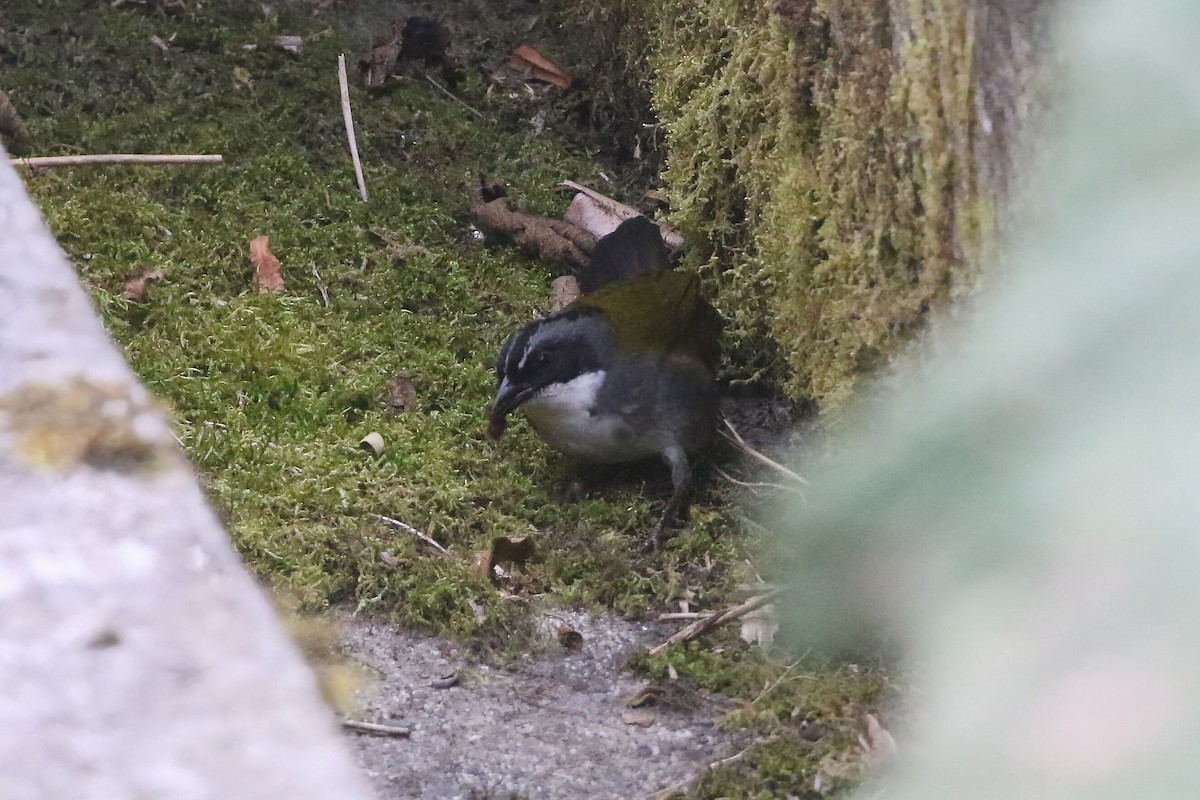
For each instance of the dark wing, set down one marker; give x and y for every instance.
(634, 249)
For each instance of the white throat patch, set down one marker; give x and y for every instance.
(564, 416)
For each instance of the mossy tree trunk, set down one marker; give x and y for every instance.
(836, 163)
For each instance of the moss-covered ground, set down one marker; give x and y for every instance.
(270, 394)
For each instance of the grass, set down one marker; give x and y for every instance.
(271, 393)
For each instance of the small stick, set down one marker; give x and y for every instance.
(404, 526)
(756, 485)
(702, 626)
(348, 119)
(778, 680)
(682, 785)
(374, 727)
(684, 615)
(321, 287)
(114, 158)
(737, 439)
(451, 95)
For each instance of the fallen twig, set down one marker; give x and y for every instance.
(737, 439)
(683, 785)
(114, 158)
(702, 626)
(684, 615)
(550, 239)
(404, 526)
(348, 119)
(375, 727)
(752, 485)
(451, 95)
(778, 680)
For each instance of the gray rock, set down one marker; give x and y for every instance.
(137, 657)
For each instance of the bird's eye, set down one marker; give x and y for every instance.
(543, 359)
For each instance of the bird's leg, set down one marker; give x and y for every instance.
(681, 475)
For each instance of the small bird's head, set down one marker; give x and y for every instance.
(546, 353)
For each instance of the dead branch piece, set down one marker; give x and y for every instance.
(673, 615)
(381, 62)
(752, 485)
(404, 526)
(549, 239)
(671, 236)
(374, 727)
(737, 439)
(683, 785)
(702, 626)
(114, 158)
(348, 119)
(564, 290)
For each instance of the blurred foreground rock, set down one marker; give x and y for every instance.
(137, 657)
(1027, 517)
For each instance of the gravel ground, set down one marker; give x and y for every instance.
(554, 726)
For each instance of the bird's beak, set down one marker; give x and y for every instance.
(508, 398)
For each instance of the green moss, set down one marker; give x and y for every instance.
(823, 160)
(804, 719)
(271, 393)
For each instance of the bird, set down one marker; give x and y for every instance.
(624, 373)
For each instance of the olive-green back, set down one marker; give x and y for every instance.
(661, 313)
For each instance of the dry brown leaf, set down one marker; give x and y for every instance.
(137, 288)
(448, 681)
(10, 120)
(504, 550)
(648, 696)
(879, 744)
(516, 550)
(292, 44)
(401, 394)
(638, 716)
(527, 59)
(268, 274)
(760, 626)
(570, 638)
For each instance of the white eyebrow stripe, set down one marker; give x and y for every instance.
(530, 345)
